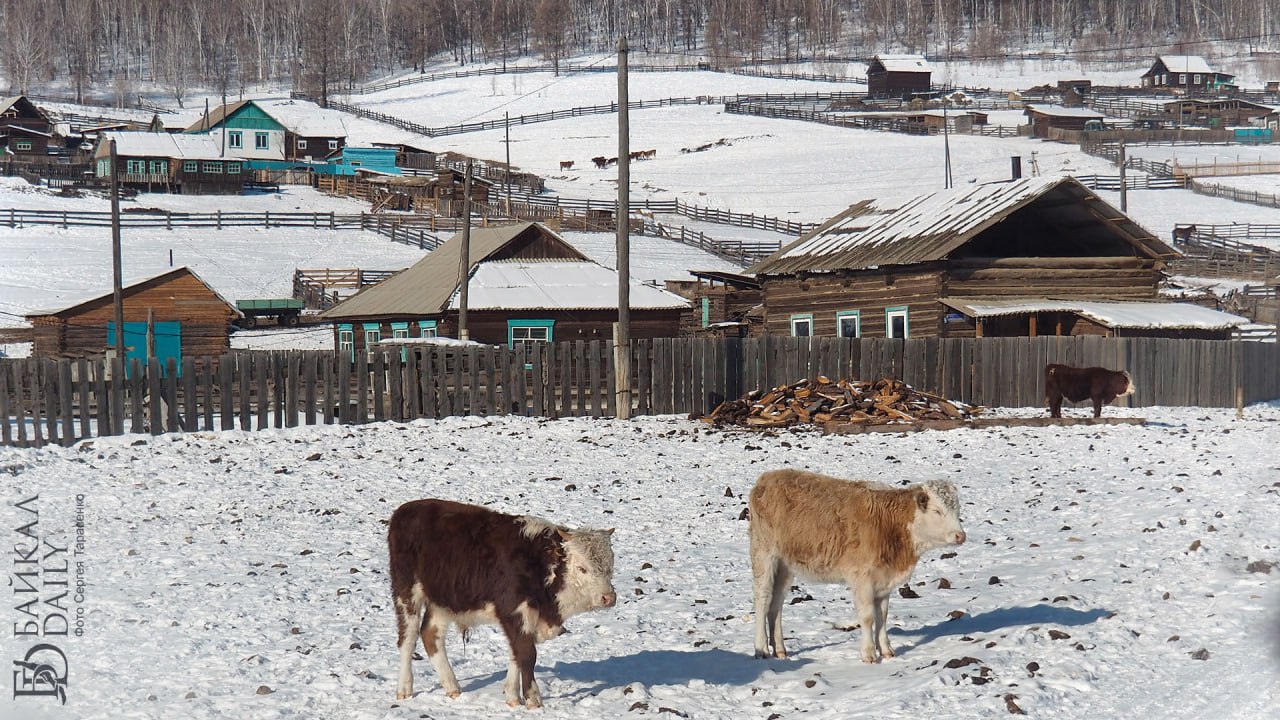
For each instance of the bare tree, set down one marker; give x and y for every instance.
(25, 52)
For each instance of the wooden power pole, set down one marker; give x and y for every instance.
(622, 331)
(117, 282)
(464, 264)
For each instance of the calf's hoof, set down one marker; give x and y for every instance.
(453, 694)
(402, 695)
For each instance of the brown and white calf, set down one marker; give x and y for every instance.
(825, 529)
(1075, 384)
(460, 564)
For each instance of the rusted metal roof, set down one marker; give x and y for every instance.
(928, 228)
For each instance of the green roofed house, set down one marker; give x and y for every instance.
(526, 285)
(286, 130)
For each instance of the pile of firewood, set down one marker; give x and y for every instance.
(847, 401)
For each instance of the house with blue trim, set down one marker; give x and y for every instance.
(526, 284)
(286, 130)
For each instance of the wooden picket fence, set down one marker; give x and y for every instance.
(46, 401)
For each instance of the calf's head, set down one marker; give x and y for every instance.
(937, 520)
(588, 565)
(1121, 384)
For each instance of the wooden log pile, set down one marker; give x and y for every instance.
(822, 401)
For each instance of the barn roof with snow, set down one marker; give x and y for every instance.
(1010, 217)
(901, 63)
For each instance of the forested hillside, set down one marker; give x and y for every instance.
(115, 46)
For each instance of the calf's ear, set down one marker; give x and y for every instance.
(609, 531)
(564, 534)
(922, 499)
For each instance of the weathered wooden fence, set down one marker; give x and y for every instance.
(45, 401)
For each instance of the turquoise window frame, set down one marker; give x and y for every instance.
(261, 141)
(428, 325)
(347, 340)
(135, 167)
(159, 167)
(801, 318)
(842, 315)
(372, 334)
(190, 166)
(233, 168)
(235, 139)
(890, 313)
(706, 311)
(211, 167)
(400, 331)
(513, 324)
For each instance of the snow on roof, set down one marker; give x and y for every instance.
(1185, 63)
(557, 285)
(1059, 111)
(903, 63)
(305, 119)
(141, 143)
(1124, 315)
(127, 284)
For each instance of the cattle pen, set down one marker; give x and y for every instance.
(61, 401)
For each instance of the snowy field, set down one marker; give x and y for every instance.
(1109, 572)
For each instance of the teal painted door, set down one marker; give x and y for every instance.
(168, 342)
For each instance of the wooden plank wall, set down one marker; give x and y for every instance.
(46, 401)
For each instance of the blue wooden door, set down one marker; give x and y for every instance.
(168, 342)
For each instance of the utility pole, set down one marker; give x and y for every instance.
(622, 330)
(1124, 186)
(464, 270)
(117, 282)
(507, 176)
(946, 142)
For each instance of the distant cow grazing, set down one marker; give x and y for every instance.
(601, 161)
(1075, 384)
(566, 164)
(825, 529)
(461, 564)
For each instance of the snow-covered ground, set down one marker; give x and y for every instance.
(1109, 571)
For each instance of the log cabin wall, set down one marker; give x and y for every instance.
(870, 292)
(1094, 278)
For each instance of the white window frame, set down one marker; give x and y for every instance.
(856, 316)
(890, 313)
(302, 144)
(347, 341)
(804, 320)
(261, 141)
(428, 329)
(22, 145)
(372, 336)
(1195, 79)
(333, 144)
(235, 139)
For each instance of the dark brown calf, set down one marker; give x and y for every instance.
(466, 565)
(1076, 384)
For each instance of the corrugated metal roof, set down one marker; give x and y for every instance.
(1122, 315)
(927, 228)
(557, 285)
(426, 287)
(143, 143)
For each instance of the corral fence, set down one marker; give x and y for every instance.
(1253, 197)
(1132, 182)
(44, 401)
(1218, 251)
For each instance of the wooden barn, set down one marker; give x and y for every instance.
(189, 319)
(1036, 256)
(1188, 73)
(1044, 118)
(25, 130)
(901, 76)
(526, 285)
(168, 162)
(411, 156)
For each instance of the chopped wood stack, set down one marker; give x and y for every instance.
(847, 401)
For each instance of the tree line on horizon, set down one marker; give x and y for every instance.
(109, 48)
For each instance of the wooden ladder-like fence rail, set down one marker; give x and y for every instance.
(45, 401)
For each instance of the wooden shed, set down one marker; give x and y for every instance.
(526, 285)
(189, 319)
(901, 76)
(1216, 113)
(1044, 118)
(722, 302)
(1188, 73)
(911, 269)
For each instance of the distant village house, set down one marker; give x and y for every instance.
(1188, 73)
(900, 76)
